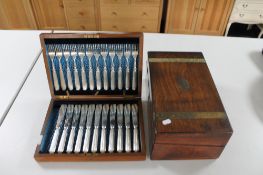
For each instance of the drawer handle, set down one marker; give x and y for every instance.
(143, 27)
(144, 14)
(241, 15)
(261, 16)
(115, 27)
(245, 5)
(81, 13)
(82, 27)
(114, 13)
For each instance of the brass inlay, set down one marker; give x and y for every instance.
(91, 35)
(190, 115)
(177, 60)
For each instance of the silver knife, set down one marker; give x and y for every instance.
(127, 110)
(73, 128)
(88, 128)
(135, 128)
(67, 124)
(112, 128)
(82, 122)
(105, 111)
(94, 146)
(120, 123)
(61, 116)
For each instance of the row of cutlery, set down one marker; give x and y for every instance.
(93, 66)
(100, 128)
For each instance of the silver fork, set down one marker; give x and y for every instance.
(61, 74)
(83, 73)
(127, 54)
(119, 53)
(127, 110)
(89, 54)
(104, 54)
(112, 71)
(135, 128)
(66, 53)
(76, 74)
(97, 55)
(134, 73)
(51, 54)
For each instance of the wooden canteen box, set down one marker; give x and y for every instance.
(186, 117)
(68, 59)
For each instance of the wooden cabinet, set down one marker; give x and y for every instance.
(16, 14)
(182, 16)
(198, 16)
(130, 15)
(49, 14)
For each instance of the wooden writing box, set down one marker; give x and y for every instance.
(187, 119)
(89, 96)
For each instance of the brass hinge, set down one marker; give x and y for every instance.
(91, 35)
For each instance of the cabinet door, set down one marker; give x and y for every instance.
(213, 16)
(16, 14)
(49, 14)
(182, 16)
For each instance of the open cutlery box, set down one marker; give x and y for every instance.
(82, 60)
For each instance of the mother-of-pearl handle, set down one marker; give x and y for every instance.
(119, 78)
(54, 141)
(98, 79)
(55, 77)
(79, 140)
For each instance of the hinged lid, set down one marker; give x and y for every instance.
(184, 97)
(78, 56)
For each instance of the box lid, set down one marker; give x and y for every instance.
(184, 99)
(62, 43)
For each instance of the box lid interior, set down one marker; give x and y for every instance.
(82, 40)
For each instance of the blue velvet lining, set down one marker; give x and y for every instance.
(51, 123)
(93, 62)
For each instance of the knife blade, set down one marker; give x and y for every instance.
(112, 128)
(61, 116)
(67, 124)
(73, 128)
(89, 119)
(120, 124)
(135, 128)
(127, 110)
(105, 110)
(82, 122)
(94, 146)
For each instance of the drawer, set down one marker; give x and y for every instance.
(141, 13)
(247, 17)
(132, 25)
(250, 6)
(114, 2)
(82, 24)
(80, 12)
(146, 2)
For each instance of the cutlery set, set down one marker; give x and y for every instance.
(100, 128)
(93, 66)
